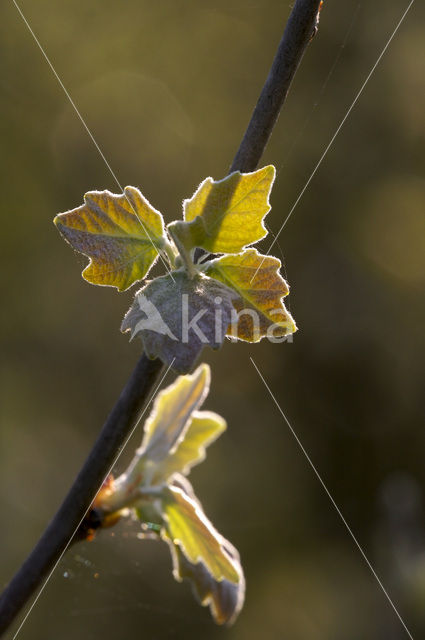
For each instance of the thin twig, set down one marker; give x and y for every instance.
(65, 523)
(56, 538)
(299, 30)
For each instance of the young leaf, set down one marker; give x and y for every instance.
(260, 289)
(189, 528)
(155, 491)
(172, 410)
(175, 436)
(231, 211)
(224, 597)
(166, 428)
(120, 234)
(176, 316)
(203, 428)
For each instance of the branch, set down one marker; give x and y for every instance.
(299, 30)
(65, 523)
(62, 529)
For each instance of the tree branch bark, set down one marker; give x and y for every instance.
(65, 523)
(56, 538)
(299, 30)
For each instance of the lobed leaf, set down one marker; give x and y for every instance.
(167, 427)
(231, 211)
(176, 316)
(260, 288)
(172, 410)
(224, 597)
(120, 233)
(176, 512)
(203, 428)
(154, 489)
(189, 529)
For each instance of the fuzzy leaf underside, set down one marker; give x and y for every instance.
(120, 233)
(227, 215)
(260, 288)
(176, 316)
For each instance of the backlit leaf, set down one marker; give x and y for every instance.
(176, 316)
(216, 574)
(120, 234)
(189, 528)
(224, 597)
(260, 289)
(172, 409)
(167, 426)
(231, 210)
(155, 491)
(203, 428)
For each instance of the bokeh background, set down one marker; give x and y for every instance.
(167, 89)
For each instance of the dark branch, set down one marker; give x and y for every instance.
(298, 32)
(73, 509)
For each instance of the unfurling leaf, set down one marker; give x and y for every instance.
(154, 489)
(174, 433)
(176, 316)
(121, 234)
(260, 288)
(203, 428)
(199, 552)
(227, 215)
(224, 597)
(189, 528)
(172, 410)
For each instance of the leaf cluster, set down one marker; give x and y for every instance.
(156, 491)
(212, 297)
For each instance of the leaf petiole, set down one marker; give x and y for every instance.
(178, 232)
(170, 252)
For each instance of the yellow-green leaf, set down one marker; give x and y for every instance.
(260, 288)
(177, 512)
(225, 598)
(170, 415)
(120, 233)
(189, 528)
(231, 210)
(203, 428)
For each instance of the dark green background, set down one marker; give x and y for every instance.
(167, 89)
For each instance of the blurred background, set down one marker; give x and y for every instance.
(167, 89)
